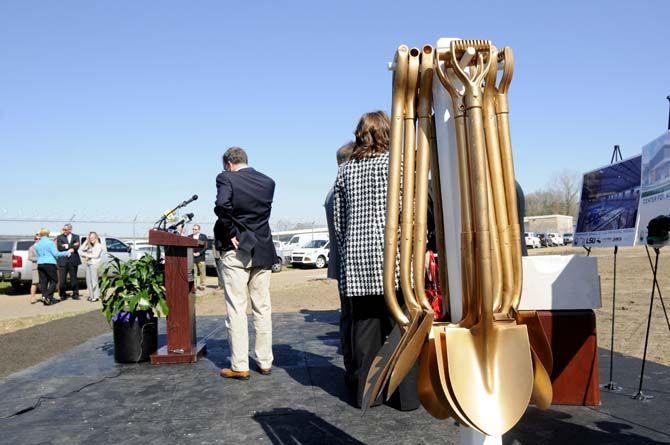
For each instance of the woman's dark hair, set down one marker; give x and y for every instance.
(372, 135)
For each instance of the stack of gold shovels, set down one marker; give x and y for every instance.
(484, 369)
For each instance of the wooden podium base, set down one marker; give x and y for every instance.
(162, 356)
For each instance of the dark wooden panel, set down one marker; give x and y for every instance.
(162, 238)
(574, 345)
(182, 344)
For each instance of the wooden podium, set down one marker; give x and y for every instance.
(182, 345)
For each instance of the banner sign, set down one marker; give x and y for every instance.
(655, 186)
(609, 205)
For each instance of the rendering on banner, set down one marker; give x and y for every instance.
(609, 205)
(655, 188)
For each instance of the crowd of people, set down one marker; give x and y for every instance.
(55, 262)
(244, 253)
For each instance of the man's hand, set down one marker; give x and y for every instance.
(66, 246)
(235, 242)
(70, 252)
(196, 254)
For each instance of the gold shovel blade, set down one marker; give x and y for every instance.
(492, 380)
(384, 361)
(543, 392)
(428, 384)
(409, 354)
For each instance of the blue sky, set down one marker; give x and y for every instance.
(115, 109)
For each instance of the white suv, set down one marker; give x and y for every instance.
(314, 253)
(532, 240)
(554, 239)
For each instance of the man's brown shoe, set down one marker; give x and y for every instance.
(228, 373)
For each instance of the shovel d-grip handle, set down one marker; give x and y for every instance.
(393, 191)
(478, 169)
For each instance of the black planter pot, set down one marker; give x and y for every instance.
(135, 340)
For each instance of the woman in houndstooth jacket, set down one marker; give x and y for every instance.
(360, 219)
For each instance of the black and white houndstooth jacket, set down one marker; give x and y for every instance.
(360, 220)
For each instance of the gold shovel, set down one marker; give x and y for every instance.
(385, 358)
(490, 367)
(429, 386)
(433, 384)
(416, 198)
(496, 113)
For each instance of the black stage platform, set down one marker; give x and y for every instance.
(82, 396)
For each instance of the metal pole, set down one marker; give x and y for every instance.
(611, 386)
(658, 289)
(668, 97)
(640, 395)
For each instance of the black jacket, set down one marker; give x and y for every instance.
(62, 245)
(243, 204)
(201, 250)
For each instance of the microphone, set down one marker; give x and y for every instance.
(188, 201)
(183, 204)
(187, 218)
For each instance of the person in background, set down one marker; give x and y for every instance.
(32, 257)
(360, 222)
(91, 254)
(67, 266)
(199, 268)
(243, 206)
(46, 265)
(343, 155)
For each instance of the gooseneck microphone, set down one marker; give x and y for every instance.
(161, 223)
(188, 201)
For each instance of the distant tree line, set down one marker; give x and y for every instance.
(559, 197)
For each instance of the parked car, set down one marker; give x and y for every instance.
(315, 253)
(141, 249)
(532, 240)
(299, 241)
(555, 240)
(210, 263)
(20, 272)
(13, 264)
(568, 238)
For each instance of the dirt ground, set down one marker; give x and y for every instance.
(33, 333)
(633, 292)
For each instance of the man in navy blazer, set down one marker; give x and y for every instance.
(68, 265)
(243, 205)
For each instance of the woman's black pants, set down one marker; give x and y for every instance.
(372, 323)
(48, 277)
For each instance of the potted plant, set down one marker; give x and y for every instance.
(133, 297)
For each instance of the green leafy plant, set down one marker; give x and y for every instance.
(136, 285)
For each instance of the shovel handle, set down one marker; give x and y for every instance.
(422, 169)
(393, 191)
(408, 179)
